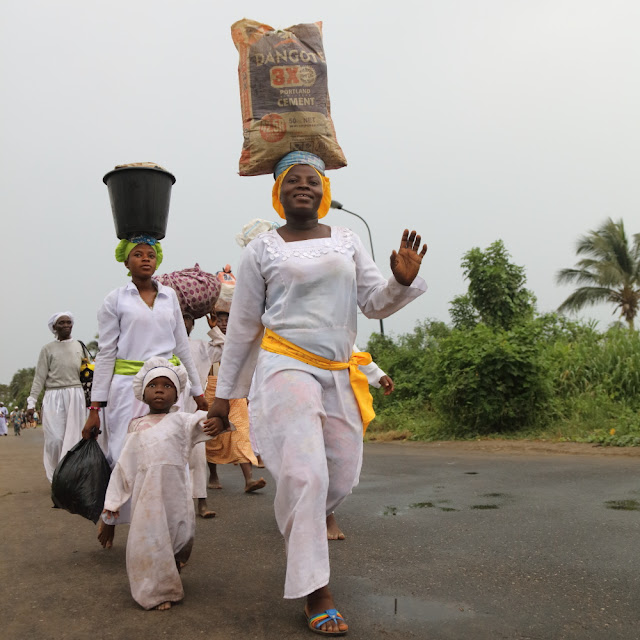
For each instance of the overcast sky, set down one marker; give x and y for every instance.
(468, 121)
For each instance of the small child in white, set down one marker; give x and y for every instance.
(152, 471)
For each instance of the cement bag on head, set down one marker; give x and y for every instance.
(80, 480)
(283, 95)
(197, 290)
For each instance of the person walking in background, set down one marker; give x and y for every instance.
(204, 354)
(64, 406)
(4, 415)
(233, 447)
(291, 330)
(16, 420)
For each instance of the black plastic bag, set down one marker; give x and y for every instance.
(80, 480)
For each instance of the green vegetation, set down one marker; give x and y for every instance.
(609, 272)
(504, 370)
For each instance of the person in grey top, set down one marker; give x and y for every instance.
(64, 408)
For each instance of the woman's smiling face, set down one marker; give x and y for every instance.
(301, 190)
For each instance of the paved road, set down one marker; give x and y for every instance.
(443, 544)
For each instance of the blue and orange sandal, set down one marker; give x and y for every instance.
(314, 622)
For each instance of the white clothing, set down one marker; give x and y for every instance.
(4, 414)
(151, 472)
(307, 292)
(204, 354)
(64, 405)
(64, 414)
(305, 421)
(198, 471)
(308, 429)
(130, 330)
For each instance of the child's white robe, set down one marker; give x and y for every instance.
(151, 471)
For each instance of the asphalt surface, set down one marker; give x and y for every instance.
(442, 543)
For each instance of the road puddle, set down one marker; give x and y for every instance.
(406, 609)
(623, 505)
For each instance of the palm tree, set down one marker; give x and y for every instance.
(609, 272)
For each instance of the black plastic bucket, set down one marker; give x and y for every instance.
(140, 198)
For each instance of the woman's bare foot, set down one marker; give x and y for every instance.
(214, 483)
(203, 509)
(318, 602)
(106, 532)
(333, 530)
(260, 464)
(163, 606)
(254, 485)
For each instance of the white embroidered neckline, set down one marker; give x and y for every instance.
(341, 240)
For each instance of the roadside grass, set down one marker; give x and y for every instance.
(586, 418)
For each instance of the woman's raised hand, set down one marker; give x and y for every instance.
(405, 263)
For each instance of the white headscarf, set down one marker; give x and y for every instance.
(155, 368)
(56, 316)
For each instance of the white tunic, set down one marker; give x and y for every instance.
(304, 420)
(151, 471)
(307, 292)
(131, 330)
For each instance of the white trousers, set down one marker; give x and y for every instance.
(64, 414)
(198, 471)
(307, 426)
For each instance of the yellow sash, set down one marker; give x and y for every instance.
(276, 344)
(131, 367)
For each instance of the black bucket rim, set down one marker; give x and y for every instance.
(120, 169)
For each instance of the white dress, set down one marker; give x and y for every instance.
(304, 420)
(130, 330)
(151, 472)
(4, 414)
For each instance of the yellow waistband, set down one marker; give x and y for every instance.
(131, 367)
(276, 344)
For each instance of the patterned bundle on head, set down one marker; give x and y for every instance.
(197, 290)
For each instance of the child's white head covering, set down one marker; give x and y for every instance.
(155, 368)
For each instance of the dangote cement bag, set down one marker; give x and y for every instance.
(283, 95)
(80, 480)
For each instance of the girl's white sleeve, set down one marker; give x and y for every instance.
(377, 297)
(245, 330)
